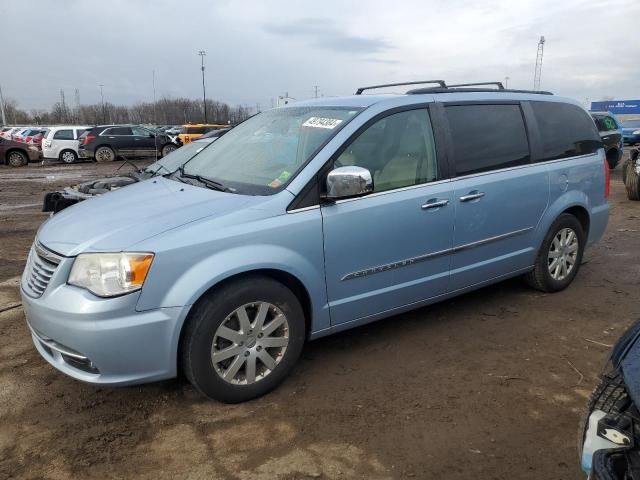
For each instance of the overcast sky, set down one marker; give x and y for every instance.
(257, 50)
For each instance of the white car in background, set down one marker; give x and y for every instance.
(61, 143)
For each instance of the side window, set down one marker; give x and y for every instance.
(398, 150)
(118, 131)
(63, 135)
(141, 132)
(566, 130)
(487, 137)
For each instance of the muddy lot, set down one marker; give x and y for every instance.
(489, 385)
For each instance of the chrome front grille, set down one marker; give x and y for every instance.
(41, 265)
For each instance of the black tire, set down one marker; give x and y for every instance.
(632, 182)
(613, 157)
(16, 158)
(624, 170)
(104, 154)
(168, 148)
(207, 316)
(68, 156)
(540, 278)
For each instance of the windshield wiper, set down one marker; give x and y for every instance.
(208, 182)
(157, 170)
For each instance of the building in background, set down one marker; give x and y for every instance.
(623, 109)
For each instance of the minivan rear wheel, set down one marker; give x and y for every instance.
(68, 156)
(243, 339)
(560, 255)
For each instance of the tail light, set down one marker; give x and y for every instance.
(607, 179)
(87, 139)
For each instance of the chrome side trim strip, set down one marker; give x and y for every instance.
(58, 348)
(304, 209)
(429, 256)
(490, 239)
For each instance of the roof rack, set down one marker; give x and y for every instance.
(439, 82)
(455, 89)
(479, 84)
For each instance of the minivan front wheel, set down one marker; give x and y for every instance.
(560, 255)
(243, 339)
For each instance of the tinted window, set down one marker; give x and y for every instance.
(142, 132)
(565, 130)
(605, 123)
(118, 131)
(398, 150)
(487, 137)
(63, 135)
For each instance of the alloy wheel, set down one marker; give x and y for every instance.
(563, 254)
(250, 343)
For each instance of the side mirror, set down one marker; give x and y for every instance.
(348, 182)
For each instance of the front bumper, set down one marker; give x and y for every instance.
(631, 139)
(102, 341)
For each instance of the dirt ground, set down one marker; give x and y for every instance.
(489, 385)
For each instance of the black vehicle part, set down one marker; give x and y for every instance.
(631, 178)
(55, 201)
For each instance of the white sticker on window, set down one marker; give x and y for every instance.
(320, 122)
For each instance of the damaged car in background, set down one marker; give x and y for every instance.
(609, 440)
(57, 201)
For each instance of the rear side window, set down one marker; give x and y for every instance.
(118, 131)
(487, 137)
(565, 130)
(605, 123)
(63, 135)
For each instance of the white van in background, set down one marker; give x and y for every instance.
(61, 143)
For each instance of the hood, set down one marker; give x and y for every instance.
(629, 130)
(124, 217)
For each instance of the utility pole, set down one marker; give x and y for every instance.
(104, 115)
(76, 116)
(506, 81)
(63, 106)
(537, 74)
(316, 89)
(155, 117)
(4, 115)
(202, 54)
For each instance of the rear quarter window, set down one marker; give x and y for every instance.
(565, 130)
(487, 137)
(63, 135)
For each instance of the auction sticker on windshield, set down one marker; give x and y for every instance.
(320, 122)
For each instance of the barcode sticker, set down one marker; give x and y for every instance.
(319, 122)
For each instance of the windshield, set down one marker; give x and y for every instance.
(631, 124)
(177, 158)
(259, 156)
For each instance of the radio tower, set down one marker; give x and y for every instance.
(538, 71)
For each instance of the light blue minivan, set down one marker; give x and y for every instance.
(311, 219)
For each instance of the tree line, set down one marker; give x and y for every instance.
(165, 111)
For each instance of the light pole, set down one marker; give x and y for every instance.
(104, 115)
(202, 53)
(506, 81)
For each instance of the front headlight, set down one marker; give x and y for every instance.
(110, 274)
(636, 132)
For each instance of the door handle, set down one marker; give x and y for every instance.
(434, 204)
(471, 196)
